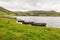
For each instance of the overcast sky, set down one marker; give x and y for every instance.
(25, 5)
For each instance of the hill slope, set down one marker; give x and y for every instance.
(5, 12)
(10, 30)
(38, 13)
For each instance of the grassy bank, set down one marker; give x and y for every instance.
(10, 30)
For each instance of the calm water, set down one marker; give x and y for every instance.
(50, 21)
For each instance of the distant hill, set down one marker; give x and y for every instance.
(38, 13)
(5, 12)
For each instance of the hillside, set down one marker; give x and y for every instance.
(38, 13)
(5, 12)
(10, 30)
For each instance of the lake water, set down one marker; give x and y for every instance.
(50, 21)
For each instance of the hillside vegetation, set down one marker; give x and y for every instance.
(5, 12)
(38, 13)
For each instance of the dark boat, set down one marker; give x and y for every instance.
(38, 24)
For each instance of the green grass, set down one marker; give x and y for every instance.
(10, 30)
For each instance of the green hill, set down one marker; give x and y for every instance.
(10, 30)
(38, 13)
(5, 12)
